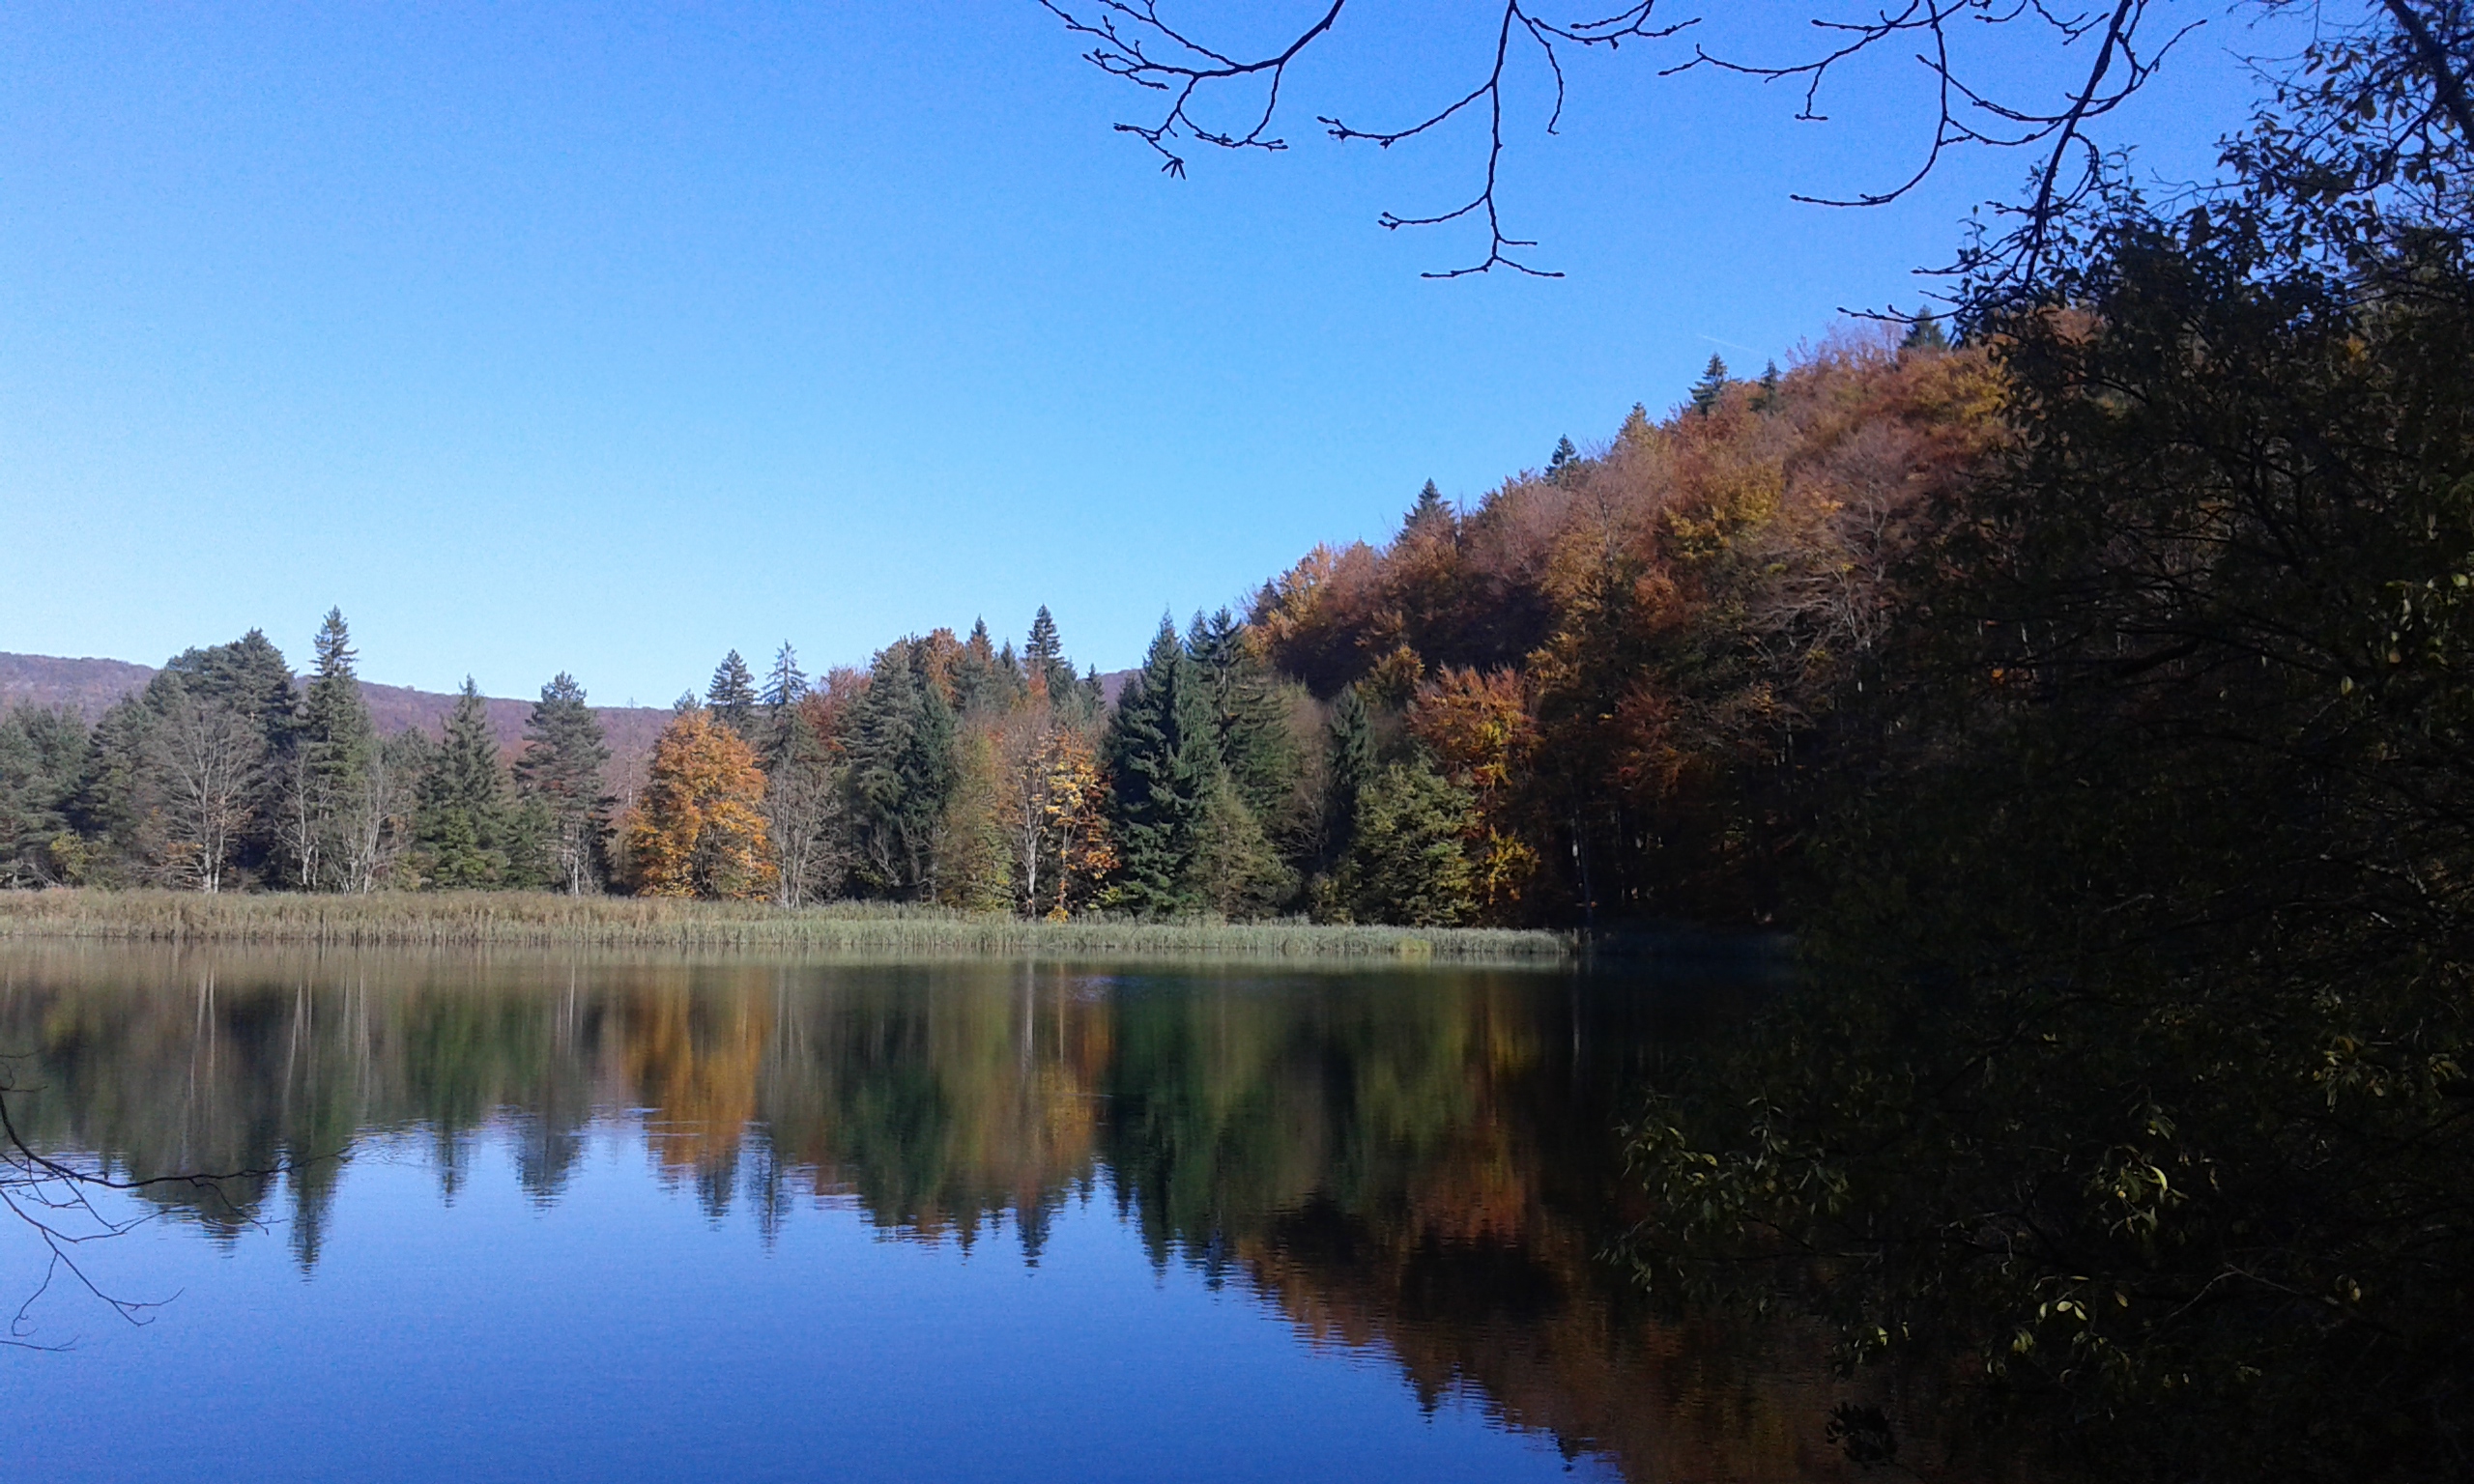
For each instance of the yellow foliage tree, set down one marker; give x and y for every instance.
(699, 828)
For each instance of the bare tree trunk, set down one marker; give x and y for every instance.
(209, 756)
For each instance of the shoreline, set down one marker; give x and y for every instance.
(542, 920)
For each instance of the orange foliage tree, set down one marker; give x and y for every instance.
(697, 829)
(1479, 731)
(1634, 658)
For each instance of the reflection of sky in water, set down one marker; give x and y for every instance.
(624, 1333)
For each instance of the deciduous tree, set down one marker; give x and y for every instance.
(697, 829)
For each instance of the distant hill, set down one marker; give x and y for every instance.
(89, 687)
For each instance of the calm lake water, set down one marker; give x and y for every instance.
(602, 1217)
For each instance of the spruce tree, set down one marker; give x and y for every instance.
(1250, 725)
(786, 685)
(43, 757)
(560, 768)
(731, 696)
(113, 799)
(325, 837)
(1351, 746)
(985, 683)
(1560, 464)
(1164, 756)
(1924, 334)
(462, 824)
(899, 737)
(1428, 510)
(1768, 396)
(1712, 386)
(1044, 661)
(1408, 862)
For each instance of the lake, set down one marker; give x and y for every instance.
(598, 1216)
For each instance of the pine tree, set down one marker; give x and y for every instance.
(1768, 396)
(984, 684)
(1429, 511)
(1236, 871)
(786, 685)
(562, 768)
(1635, 428)
(900, 742)
(1562, 462)
(1408, 862)
(115, 792)
(1044, 662)
(1250, 725)
(462, 826)
(731, 695)
(43, 757)
(332, 832)
(1351, 751)
(1924, 334)
(1164, 756)
(1712, 386)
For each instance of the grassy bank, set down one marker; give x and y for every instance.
(458, 919)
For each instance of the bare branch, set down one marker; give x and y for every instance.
(1975, 102)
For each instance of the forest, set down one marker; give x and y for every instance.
(1594, 695)
(2082, 675)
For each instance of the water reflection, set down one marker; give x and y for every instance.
(1418, 1164)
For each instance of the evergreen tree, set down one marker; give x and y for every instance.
(560, 772)
(1351, 751)
(985, 683)
(900, 742)
(1164, 754)
(1560, 464)
(1712, 386)
(1924, 334)
(1428, 510)
(250, 676)
(786, 685)
(1768, 396)
(731, 696)
(114, 798)
(328, 835)
(1407, 862)
(43, 758)
(1044, 661)
(1237, 872)
(462, 825)
(1250, 725)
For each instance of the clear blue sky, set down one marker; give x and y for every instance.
(608, 338)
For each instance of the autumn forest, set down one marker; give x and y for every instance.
(1423, 732)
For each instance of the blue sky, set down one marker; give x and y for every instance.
(608, 338)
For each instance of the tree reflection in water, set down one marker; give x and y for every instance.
(1417, 1163)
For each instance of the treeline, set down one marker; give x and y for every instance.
(1606, 691)
(225, 773)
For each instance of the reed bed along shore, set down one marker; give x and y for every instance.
(532, 919)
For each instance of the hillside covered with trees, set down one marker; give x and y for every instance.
(1600, 692)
